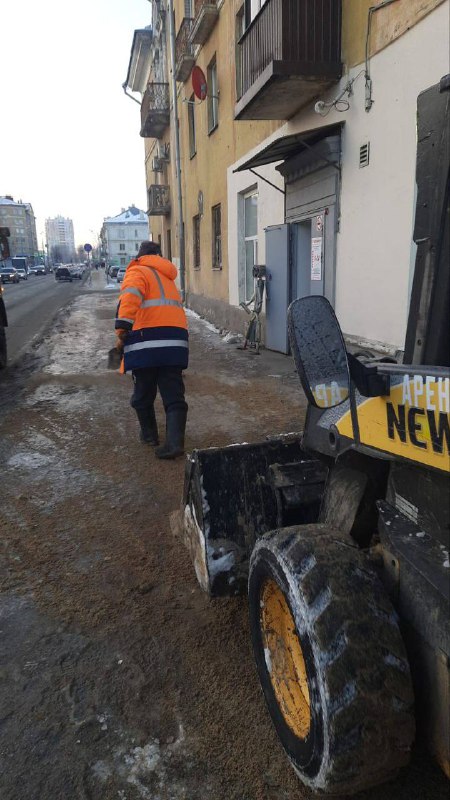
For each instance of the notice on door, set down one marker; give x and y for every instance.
(316, 258)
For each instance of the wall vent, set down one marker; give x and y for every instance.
(364, 151)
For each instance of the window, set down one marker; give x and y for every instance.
(250, 240)
(123, 261)
(136, 246)
(216, 238)
(121, 247)
(136, 234)
(191, 121)
(121, 233)
(240, 28)
(188, 8)
(196, 239)
(252, 8)
(213, 96)
(169, 245)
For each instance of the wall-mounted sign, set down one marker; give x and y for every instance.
(316, 258)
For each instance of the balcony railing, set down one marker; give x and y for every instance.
(206, 14)
(289, 54)
(158, 200)
(155, 110)
(184, 52)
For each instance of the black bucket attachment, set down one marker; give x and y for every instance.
(232, 495)
(114, 358)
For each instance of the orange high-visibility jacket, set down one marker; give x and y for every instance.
(150, 309)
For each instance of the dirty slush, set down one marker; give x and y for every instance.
(119, 678)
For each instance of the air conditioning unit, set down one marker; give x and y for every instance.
(164, 151)
(157, 165)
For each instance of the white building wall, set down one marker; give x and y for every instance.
(375, 252)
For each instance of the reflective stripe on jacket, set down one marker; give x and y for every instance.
(150, 309)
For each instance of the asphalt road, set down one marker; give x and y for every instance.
(31, 306)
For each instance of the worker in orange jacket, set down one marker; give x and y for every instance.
(152, 333)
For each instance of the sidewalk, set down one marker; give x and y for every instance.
(120, 679)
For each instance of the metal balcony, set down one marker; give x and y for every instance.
(206, 14)
(184, 52)
(155, 110)
(289, 54)
(158, 200)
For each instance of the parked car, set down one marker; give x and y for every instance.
(75, 272)
(121, 274)
(22, 273)
(63, 274)
(9, 275)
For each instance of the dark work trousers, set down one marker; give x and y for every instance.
(169, 381)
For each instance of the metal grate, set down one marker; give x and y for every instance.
(364, 151)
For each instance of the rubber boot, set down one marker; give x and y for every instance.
(175, 428)
(149, 428)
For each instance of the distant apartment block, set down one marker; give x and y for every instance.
(19, 218)
(121, 235)
(60, 239)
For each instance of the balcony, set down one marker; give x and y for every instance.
(158, 200)
(206, 14)
(184, 52)
(289, 54)
(155, 110)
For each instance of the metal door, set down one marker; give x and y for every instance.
(278, 289)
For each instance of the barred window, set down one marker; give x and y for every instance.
(216, 237)
(196, 237)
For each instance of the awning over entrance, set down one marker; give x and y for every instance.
(288, 146)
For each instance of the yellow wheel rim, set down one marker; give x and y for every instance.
(284, 659)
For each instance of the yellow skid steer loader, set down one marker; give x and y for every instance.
(340, 535)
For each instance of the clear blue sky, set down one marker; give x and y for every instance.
(69, 137)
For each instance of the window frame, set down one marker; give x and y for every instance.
(196, 242)
(216, 239)
(213, 95)
(253, 238)
(240, 27)
(191, 127)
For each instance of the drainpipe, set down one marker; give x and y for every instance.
(177, 150)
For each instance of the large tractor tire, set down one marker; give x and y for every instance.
(330, 658)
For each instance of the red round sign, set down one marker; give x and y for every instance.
(199, 84)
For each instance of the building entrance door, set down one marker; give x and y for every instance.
(307, 257)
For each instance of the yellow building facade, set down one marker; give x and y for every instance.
(217, 132)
